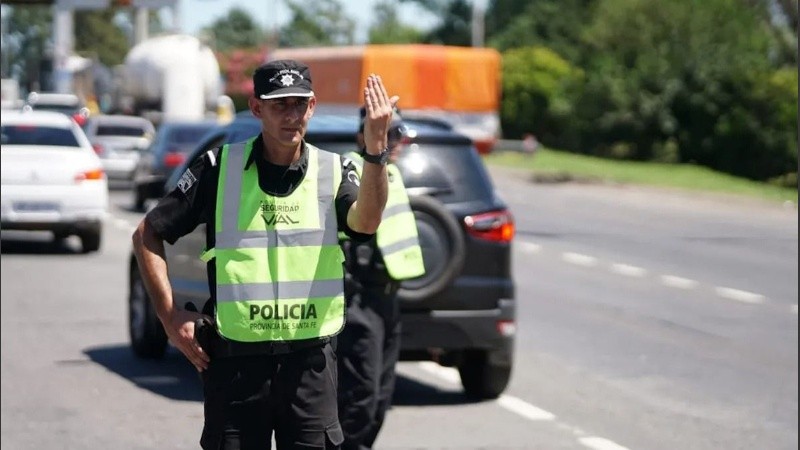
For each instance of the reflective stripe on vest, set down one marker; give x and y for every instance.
(397, 236)
(279, 265)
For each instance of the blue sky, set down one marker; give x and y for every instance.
(195, 14)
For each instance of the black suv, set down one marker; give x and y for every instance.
(461, 313)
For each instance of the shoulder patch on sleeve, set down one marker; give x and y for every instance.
(352, 176)
(212, 158)
(186, 181)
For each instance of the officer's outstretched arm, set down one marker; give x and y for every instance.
(178, 324)
(365, 214)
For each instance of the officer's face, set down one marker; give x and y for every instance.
(283, 120)
(395, 141)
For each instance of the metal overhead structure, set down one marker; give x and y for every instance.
(64, 26)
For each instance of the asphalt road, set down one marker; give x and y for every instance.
(647, 320)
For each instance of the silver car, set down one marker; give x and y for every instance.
(119, 142)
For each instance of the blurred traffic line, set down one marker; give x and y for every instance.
(667, 280)
(522, 408)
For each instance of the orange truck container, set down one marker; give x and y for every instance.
(460, 85)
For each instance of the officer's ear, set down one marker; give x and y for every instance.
(254, 104)
(312, 102)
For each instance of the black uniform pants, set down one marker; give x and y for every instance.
(293, 394)
(367, 350)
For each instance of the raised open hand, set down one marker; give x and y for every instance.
(379, 108)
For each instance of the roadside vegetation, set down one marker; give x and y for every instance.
(548, 165)
(710, 83)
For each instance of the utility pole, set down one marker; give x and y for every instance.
(64, 29)
(478, 16)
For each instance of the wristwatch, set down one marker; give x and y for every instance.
(382, 158)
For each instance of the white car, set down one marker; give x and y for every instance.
(68, 104)
(52, 179)
(119, 140)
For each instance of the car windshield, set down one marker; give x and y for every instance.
(38, 135)
(120, 130)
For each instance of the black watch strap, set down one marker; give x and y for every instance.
(382, 158)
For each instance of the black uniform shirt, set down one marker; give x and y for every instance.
(364, 260)
(194, 201)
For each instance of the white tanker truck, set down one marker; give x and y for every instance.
(169, 77)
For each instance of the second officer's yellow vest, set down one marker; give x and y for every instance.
(278, 261)
(397, 236)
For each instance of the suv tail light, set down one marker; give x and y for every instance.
(80, 118)
(96, 174)
(484, 146)
(174, 159)
(497, 226)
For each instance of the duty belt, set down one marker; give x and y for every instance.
(217, 346)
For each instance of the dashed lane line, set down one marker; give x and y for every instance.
(627, 270)
(598, 443)
(579, 259)
(678, 282)
(526, 410)
(794, 309)
(673, 281)
(739, 295)
(530, 247)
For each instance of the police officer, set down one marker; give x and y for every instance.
(272, 207)
(369, 346)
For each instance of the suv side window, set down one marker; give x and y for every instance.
(452, 173)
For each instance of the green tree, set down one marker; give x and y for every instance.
(28, 46)
(387, 28)
(235, 30)
(318, 23)
(96, 35)
(678, 81)
(455, 21)
(536, 86)
(556, 24)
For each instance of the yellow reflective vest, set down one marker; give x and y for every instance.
(397, 236)
(278, 260)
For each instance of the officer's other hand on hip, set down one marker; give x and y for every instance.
(180, 328)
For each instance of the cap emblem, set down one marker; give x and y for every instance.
(287, 80)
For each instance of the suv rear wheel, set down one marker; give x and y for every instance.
(90, 239)
(138, 198)
(480, 377)
(443, 249)
(148, 339)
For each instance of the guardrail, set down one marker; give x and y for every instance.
(509, 145)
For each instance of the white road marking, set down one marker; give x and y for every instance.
(579, 259)
(598, 443)
(530, 247)
(739, 295)
(794, 309)
(631, 271)
(524, 409)
(678, 282)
